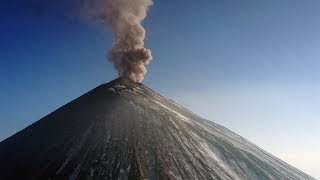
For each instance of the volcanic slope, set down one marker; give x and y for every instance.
(124, 130)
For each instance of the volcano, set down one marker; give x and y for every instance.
(124, 130)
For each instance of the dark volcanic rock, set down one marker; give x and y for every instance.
(123, 130)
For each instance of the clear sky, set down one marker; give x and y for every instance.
(251, 66)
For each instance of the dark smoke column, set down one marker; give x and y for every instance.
(128, 54)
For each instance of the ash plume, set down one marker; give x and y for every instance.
(124, 17)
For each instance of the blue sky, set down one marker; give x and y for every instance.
(250, 66)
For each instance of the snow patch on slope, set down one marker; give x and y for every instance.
(180, 116)
(206, 151)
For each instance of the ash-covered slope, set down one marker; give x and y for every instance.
(123, 130)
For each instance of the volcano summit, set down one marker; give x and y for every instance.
(124, 130)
